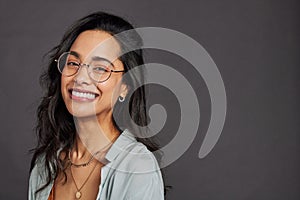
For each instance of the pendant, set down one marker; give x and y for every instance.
(78, 195)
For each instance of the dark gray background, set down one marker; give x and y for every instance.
(255, 45)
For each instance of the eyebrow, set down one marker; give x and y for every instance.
(98, 58)
(94, 58)
(74, 53)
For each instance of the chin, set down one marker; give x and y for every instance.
(82, 111)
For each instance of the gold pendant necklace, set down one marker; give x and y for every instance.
(78, 194)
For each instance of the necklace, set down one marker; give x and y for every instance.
(82, 164)
(78, 194)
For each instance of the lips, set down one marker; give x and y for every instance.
(82, 95)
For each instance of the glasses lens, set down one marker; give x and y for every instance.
(68, 64)
(99, 71)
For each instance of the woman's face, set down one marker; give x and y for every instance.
(83, 96)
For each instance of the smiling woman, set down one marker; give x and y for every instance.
(87, 147)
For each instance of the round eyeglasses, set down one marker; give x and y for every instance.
(99, 69)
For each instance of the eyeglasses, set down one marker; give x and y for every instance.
(99, 69)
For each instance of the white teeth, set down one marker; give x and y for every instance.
(83, 95)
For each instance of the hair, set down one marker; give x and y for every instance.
(55, 127)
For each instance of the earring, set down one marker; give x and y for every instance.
(121, 99)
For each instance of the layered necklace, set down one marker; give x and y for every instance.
(78, 193)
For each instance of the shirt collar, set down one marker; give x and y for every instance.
(119, 145)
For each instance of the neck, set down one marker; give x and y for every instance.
(93, 136)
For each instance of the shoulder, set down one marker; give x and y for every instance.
(38, 166)
(144, 178)
(133, 156)
(38, 172)
(37, 177)
(135, 168)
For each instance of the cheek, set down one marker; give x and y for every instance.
(110, 90)
(62, 84)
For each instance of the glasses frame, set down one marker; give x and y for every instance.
(87, 65)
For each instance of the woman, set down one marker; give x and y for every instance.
(88, 145)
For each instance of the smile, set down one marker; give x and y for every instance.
(82, 95)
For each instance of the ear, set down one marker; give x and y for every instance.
(124, 90)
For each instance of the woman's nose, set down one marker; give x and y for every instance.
(82, 76)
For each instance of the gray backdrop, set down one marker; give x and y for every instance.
(255, 45)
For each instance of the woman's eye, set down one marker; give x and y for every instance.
(100, 69)
(73, 64)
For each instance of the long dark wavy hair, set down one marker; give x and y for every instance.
(55, 127)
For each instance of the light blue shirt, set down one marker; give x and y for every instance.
(132, 173)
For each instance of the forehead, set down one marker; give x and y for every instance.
(93, 43)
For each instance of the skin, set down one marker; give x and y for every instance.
(93, 118)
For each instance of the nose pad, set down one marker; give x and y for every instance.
(82, 76)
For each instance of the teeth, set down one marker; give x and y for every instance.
(83, 95)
